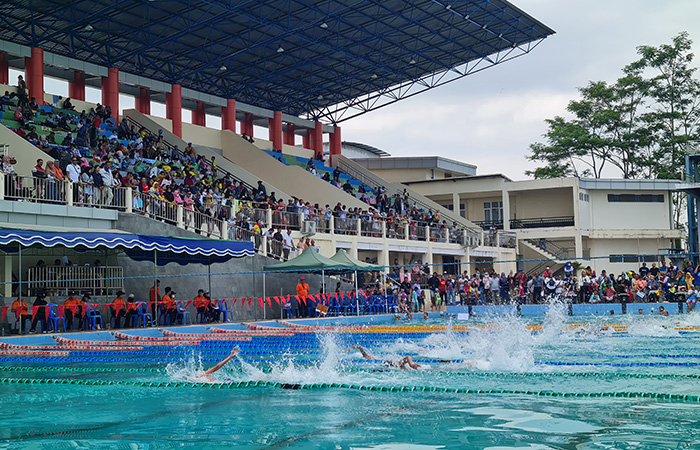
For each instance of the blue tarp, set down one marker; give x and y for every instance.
(136, 246)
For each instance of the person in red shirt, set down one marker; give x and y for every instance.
(154, 297)
(202, 305)
(19, 307)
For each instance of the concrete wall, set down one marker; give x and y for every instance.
(44, 215)
(547, 203)
(621, 215)
(602, 248)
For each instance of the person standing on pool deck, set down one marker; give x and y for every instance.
(221, 364)
(118, 309)
(302, 293)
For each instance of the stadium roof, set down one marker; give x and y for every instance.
(330, 59)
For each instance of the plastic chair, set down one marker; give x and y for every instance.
(183, 314)
(25, 327)
(311, 307)
(290, 312)
(334, 309)
(163, 317)
(92, 318)
(142, 315)
(201, 316)
(54, 318)
(224, 309)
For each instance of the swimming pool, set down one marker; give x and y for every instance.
(500, 383)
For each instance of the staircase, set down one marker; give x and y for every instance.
(553, 254)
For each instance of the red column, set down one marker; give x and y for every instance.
(173, 108)
(335, 143)
(110, 92)
(289, 134)
(306, 139)
(76, 88)
(143, 101)
(34, 70)
(4, 69)
(228, 116)
(275, 125)
(199, 116)
(249, 130)
(317, 142)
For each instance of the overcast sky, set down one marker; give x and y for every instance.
(490, 118)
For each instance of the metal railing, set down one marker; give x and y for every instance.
(60, 280)
(542, 222)
(46, 190)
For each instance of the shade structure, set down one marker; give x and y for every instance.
(311, 261)
(136, 246)
(359, 266)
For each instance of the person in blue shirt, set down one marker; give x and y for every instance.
(537, 282)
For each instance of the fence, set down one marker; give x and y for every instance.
(60, 280)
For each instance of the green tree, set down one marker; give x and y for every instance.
(641, 124)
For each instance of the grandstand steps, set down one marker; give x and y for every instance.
(235, 170)
(292, 179)
(25, 152)
(368, 177)
(529, 250)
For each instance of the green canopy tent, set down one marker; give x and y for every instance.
(358, 266)
(310, 261)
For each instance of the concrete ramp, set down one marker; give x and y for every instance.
(26, 153)
(294, 179)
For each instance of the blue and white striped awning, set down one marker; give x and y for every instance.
(137, 246)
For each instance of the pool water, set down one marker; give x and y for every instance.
(618, 383)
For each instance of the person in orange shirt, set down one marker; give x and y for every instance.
(168, 305)
(118, 309)
(154, 297)
(202, 305)
(73, 309)
(303, 293)
(131, 310)
(19, 307)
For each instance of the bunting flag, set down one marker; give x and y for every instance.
(342, 296)
(188, 304)
(269, 302)
(85, 308)
(150, 305)
(289, 299)
(277, 299)
(107, 305)
(234, 302)
(61, 309)
(262, 302)
(242, 303)
(250, 302)
(318, 297)
(35, 309)
(4, 312)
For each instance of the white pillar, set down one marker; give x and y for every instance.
(180, 216)
(69, 192)
(2, 186)
(129, 199)
(506, 209)
(224, 230)
(455, 203)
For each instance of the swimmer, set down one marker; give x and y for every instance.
(426, 316)
(403, 363)
(221, 364)
(662, 311)
(640, 311)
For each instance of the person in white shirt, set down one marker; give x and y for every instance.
(108, 180)
(288, 243)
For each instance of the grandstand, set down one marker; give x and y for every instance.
(299, 65)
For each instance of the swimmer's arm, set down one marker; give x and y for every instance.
(221, 364)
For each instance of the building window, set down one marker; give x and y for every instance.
(635, 198)
(583, 197)
(493, 212)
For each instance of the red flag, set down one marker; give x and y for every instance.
(150, 305)
(35, 309)
(250, 302)
(262, 302)
(298, 299)
(242, 303)
(269, 303)
(85, 308)
(107, 306)
(342, 296)
(277, 299)
(61, 309)
(4, 312)
(187, 304)
(317, 297)
(234, 302)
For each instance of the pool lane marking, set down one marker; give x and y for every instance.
(320, 386)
